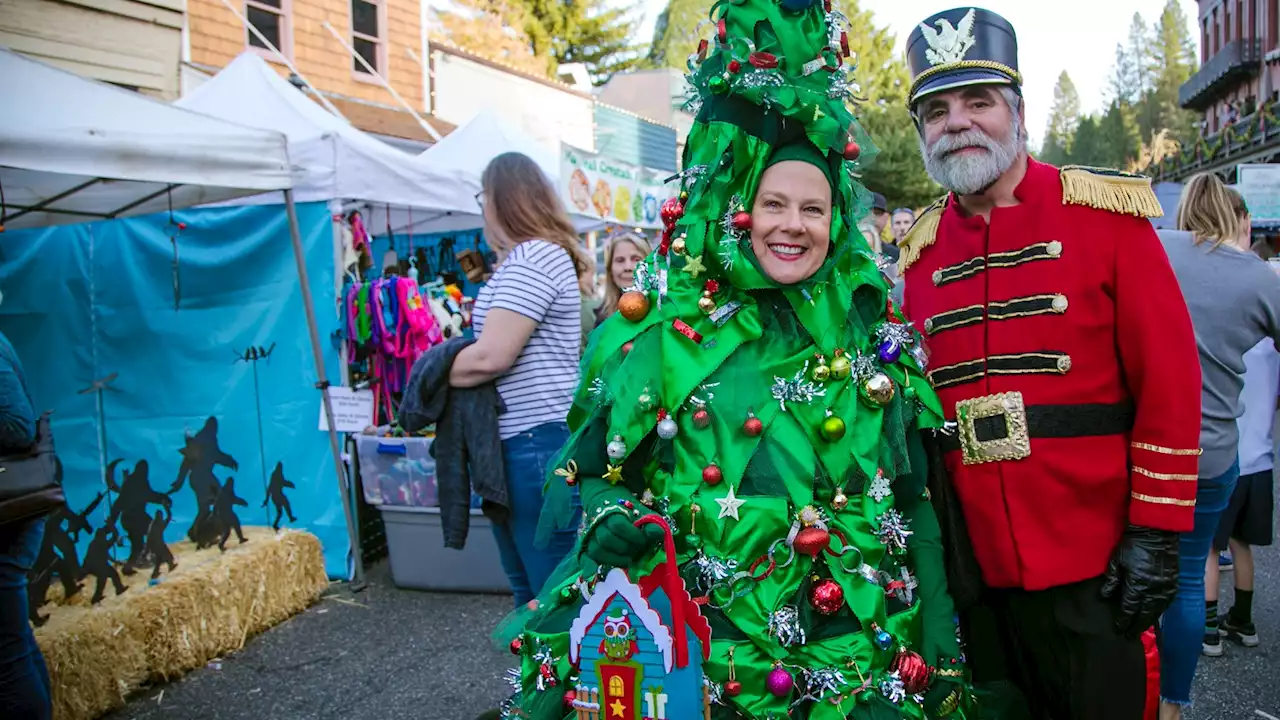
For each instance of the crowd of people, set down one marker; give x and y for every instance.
(1037, 420)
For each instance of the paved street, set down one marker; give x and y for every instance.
(387, 654)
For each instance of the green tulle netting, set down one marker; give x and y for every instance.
(768, 75)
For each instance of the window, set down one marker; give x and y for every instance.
(270, 19)
(366, 34)
(616, 688)
(1204, 40)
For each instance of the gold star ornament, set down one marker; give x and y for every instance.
(694, 266)
(613, 474)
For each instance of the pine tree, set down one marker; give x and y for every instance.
(1064, 116)
(490, 28)
(593, 32)
(718, 399)
(675, 33)
(1172, 61)
(1121, 140)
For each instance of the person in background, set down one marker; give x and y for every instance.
(528, 326)
(900, 223)
(873, 223)
(1234, 300)
(25, 691)
(1247, 520)
(620, 260)
(591, 300)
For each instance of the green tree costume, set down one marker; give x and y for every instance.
(775, 428)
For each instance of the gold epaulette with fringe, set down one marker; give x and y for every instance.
(1113, 190)
(921, 235)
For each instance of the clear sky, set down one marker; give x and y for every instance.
(1079, 37)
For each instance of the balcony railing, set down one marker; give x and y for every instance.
(1251, 135)
(1236, 59)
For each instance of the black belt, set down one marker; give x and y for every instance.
(1053, 421)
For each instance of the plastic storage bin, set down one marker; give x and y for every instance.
(420, 561)
(397, 471)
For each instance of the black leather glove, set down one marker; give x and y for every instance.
(1142, 578)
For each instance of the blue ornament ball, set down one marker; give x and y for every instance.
(883, 639)
(796, 5)
(890, 351)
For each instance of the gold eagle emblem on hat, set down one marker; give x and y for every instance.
(948, 44)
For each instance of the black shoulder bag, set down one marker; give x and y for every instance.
(30, 483)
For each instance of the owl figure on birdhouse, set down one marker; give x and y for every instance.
(639, 647)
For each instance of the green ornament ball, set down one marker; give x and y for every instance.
(718, 85)
(833, 428)
(693, 542)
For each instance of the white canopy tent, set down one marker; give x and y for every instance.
(74, 150)
(463, 155)
(338, 161)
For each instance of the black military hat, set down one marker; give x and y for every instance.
(959, 47)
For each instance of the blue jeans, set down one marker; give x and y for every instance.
(24, 680)
(1182, 627)
(525, 459)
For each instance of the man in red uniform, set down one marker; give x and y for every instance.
(1063, 352)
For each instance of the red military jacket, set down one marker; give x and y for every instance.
(1059, 303)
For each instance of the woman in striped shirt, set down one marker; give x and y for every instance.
(528, 326)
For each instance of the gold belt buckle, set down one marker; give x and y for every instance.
(1015, 445)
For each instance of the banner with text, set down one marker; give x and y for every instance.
(612, 191)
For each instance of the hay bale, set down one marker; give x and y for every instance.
(208, 606)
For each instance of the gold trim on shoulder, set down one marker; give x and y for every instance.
(922, 234)
(1163, 476)
(1164, 450)
(1162, 500)
(1112, 190)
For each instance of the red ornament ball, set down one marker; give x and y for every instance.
(712, 475)
(570, 697)
(672, 210)
(626, 347)
(827, 597)
(753, 427)
(733, 688)
(701, 419)
(182, 226)
(742, 220)
(852, 151)
(811, 541)
(734, 66)
(515, 646)
(913, 670)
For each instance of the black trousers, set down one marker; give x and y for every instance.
(1058, 647)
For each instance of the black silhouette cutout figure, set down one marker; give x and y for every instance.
(276, 496)
(58, 554)
(160, 552)
(97, 561)
(224, 514)
(130, 508)
(199, 456)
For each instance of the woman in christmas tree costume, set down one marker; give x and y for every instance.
(758, 391)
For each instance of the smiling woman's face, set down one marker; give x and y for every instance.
(791, 221)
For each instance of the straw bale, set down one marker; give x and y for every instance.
(210, 605)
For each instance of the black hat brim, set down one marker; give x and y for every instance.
(959, 78)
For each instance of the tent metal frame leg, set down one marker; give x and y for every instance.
(322, 383)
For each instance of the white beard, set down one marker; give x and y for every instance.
(971, 173)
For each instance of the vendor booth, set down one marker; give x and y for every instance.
(384, 311)
(175, 386)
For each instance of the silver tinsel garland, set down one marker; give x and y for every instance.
(799, 389)
(710, 572)
(891, 529)
(784, 624)
(893, 688)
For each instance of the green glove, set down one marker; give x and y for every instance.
(613, 540)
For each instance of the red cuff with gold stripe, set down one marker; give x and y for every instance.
(1163, 486)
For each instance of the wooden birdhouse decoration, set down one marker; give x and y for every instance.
(640, 646)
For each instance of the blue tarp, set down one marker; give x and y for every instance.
(84, 302)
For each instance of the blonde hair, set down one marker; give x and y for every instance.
(612, 293)
(525, 205)
(1210, 210)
